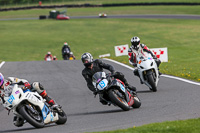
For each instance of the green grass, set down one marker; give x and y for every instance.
(32, 39)
(181, 126)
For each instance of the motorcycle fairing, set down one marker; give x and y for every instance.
(115, 83)
(102, 84)
(48, 116)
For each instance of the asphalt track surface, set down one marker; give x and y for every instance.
(174, 100)
(148, 16)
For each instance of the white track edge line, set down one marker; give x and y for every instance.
(167, 76)
(2, 63)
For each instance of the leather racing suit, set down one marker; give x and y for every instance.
(98, 66)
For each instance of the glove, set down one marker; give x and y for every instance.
(27, 85)
(135, 64)
(154, 57)
(95, 93)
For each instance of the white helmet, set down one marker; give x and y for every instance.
(65, 44)
(135, 41)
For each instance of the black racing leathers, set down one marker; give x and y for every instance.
(98, 66)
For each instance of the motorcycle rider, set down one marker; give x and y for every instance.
(55, 58)
(93, 66)
(48, 56)
(137, 48)
(66, 51)
(6, 90)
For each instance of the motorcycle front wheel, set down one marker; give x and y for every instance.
(151, 81)
(137, 102)
(62, 117)
(35, 119)
(119, 101)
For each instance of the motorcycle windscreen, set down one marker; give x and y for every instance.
(97, 77)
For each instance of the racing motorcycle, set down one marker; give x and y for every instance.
(31, 107)
(114, 92)
(148, 70)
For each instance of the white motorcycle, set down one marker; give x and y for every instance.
(30, 106)
(148, 70)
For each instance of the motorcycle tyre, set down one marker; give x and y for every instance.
(29, 119)
(116, 101)
(137, 102)
(62, 118)
(151, 82)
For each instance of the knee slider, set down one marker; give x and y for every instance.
(136, 72)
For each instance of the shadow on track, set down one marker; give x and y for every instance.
(98, 112)
(147, 91)
(24, 129)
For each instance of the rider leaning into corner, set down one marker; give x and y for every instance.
(93, 66)
(6, 90)
(137, 48)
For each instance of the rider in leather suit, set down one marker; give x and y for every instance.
(93, 66)
(66, 51)
(6, 90)
(137, 48)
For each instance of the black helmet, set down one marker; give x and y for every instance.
(87, 59)
(135, 41)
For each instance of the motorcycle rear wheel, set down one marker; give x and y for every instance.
(118, 100)
(36, 121)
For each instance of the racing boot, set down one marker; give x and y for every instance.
(133, 93)
(101, 99)
(131, 89)
(18, 121)
(50, 101)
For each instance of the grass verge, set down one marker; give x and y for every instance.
(180, 126)
(32, 39)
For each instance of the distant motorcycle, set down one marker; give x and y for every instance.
(148, 70)
(114, 91)
(66, 53)
(31, 107)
